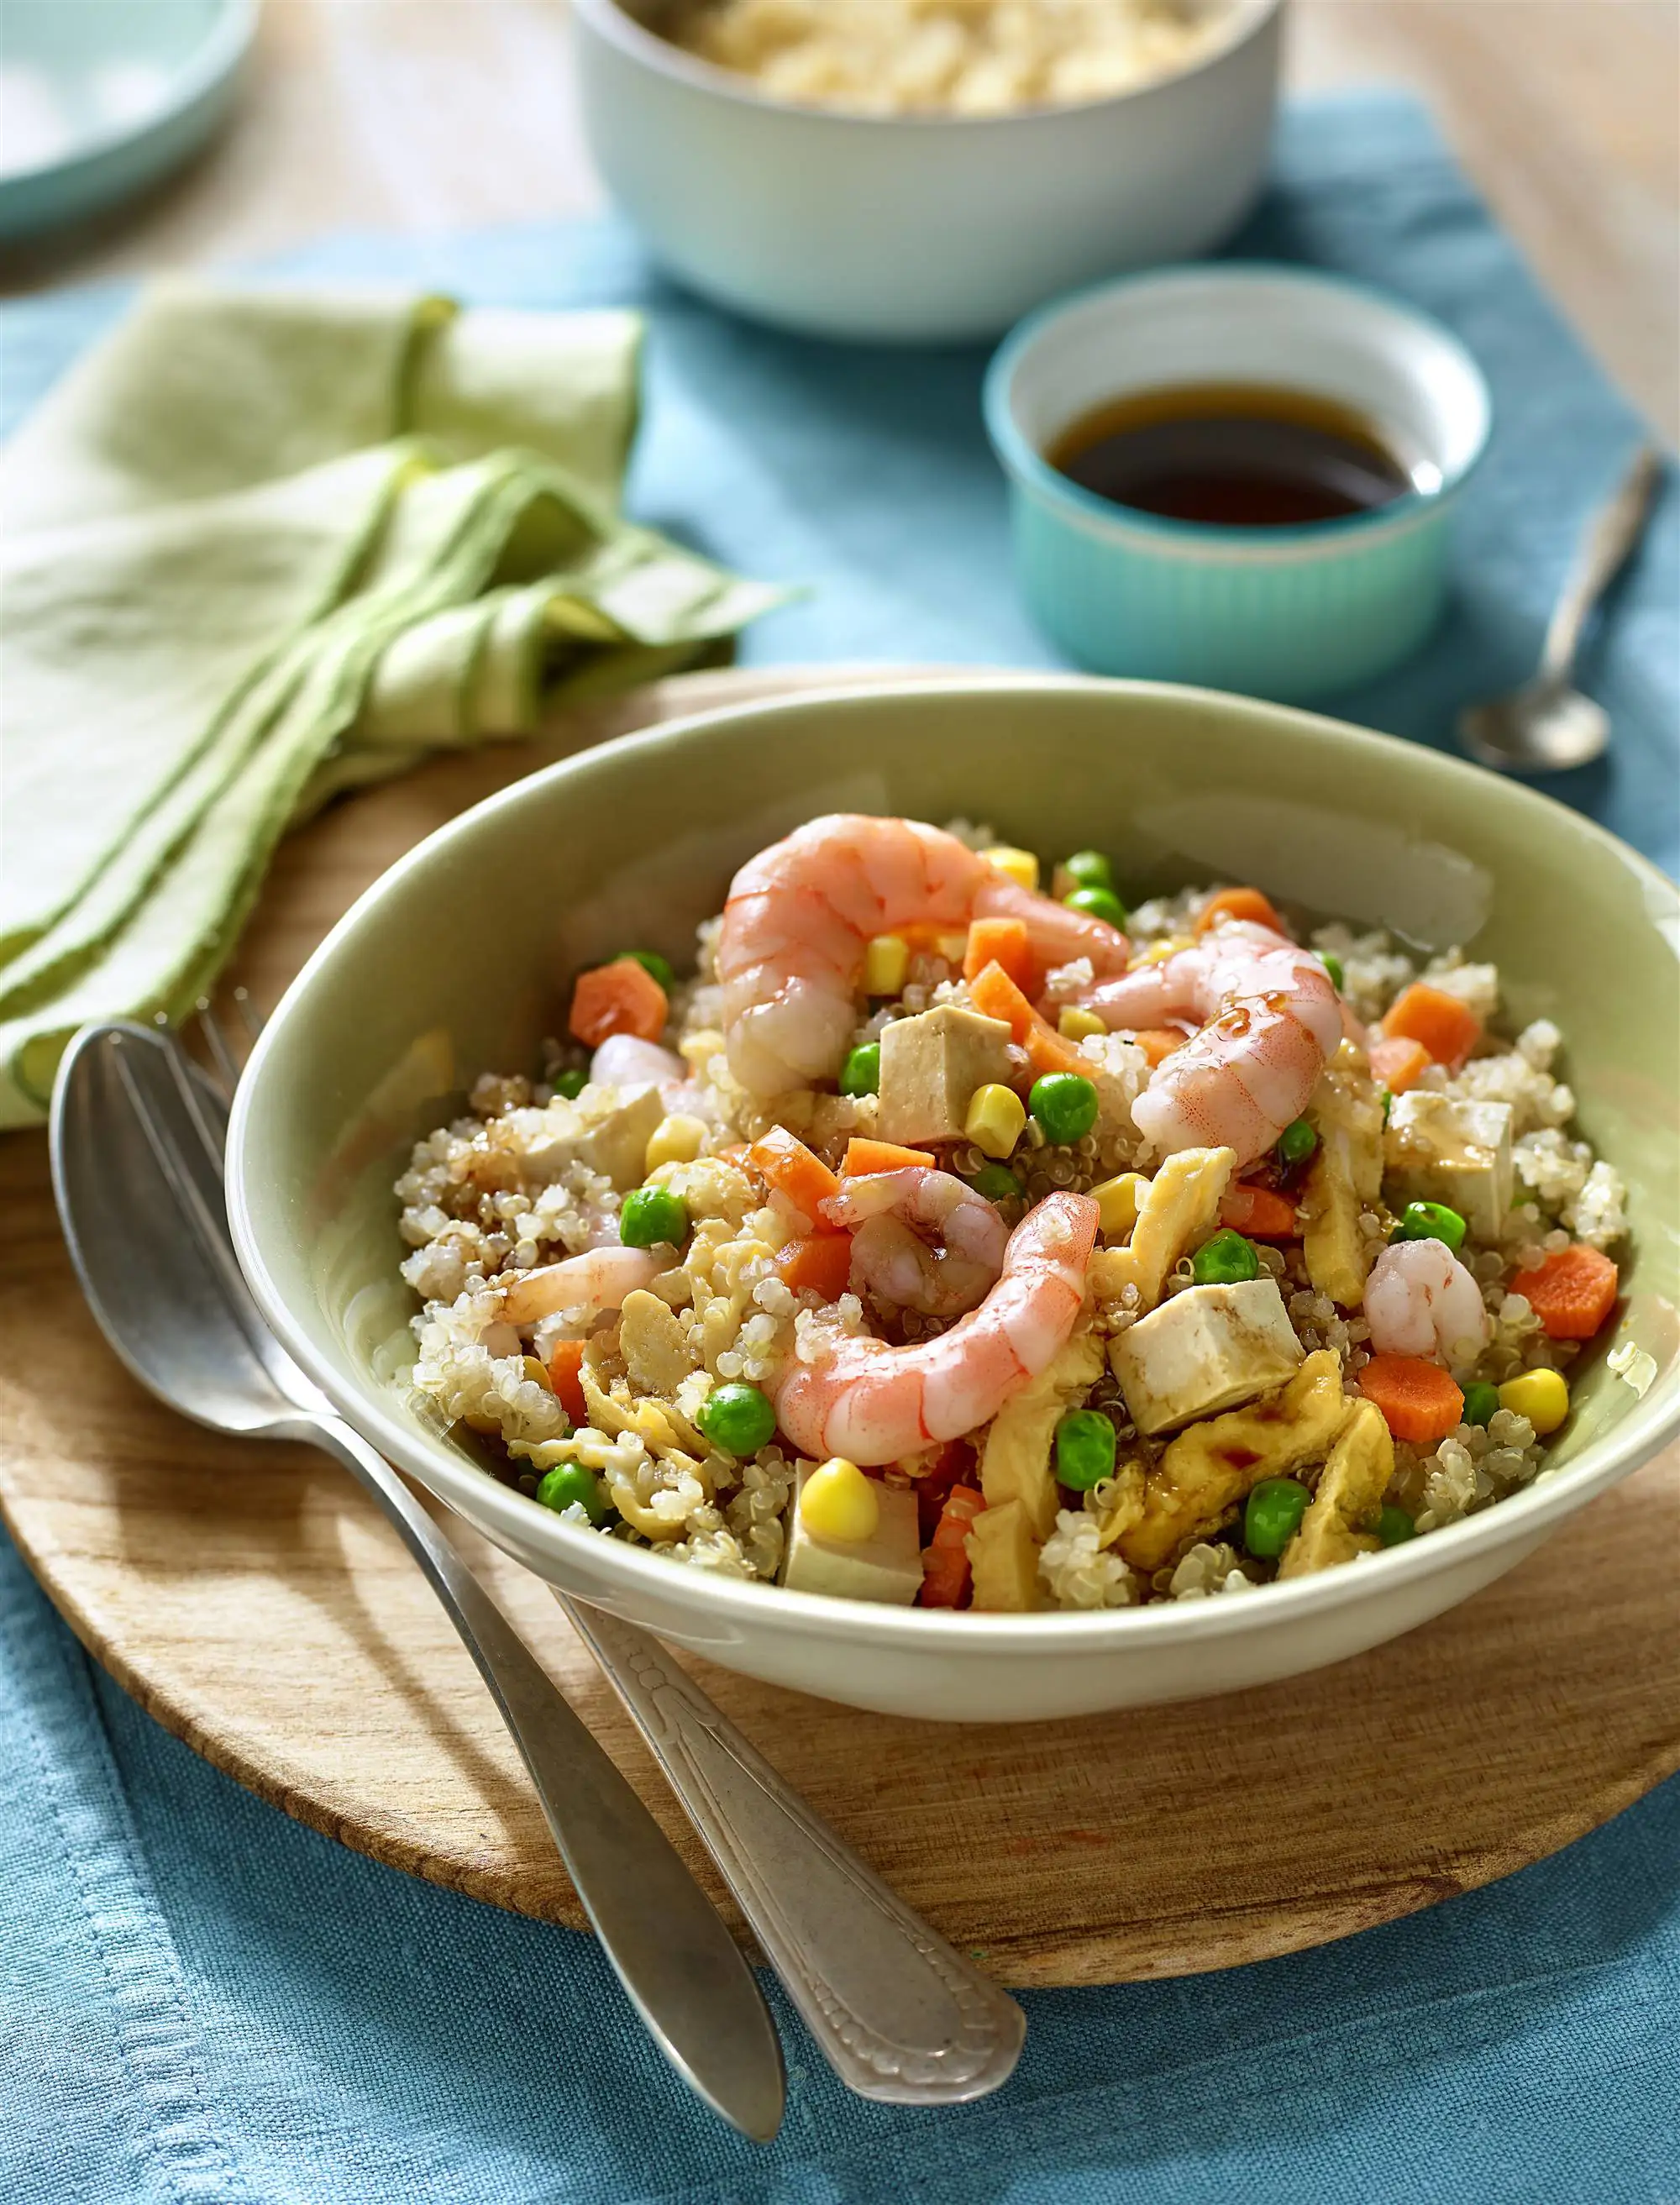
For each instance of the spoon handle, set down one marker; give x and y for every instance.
(1609, 536)
(683, 1971)
(897, 2013)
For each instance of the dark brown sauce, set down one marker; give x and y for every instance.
(1235, 455)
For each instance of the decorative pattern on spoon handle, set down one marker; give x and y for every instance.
(897, 2013)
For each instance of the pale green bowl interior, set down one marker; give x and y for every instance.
(459, 959)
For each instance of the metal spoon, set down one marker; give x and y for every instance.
(136, 1147)
(1547, 724)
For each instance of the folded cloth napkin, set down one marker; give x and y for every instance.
(263, 546)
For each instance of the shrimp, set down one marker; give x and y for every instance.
(1420, 1301)
(799, 916)
(893, 1212)
(1271, 1018)
(625, 1061)
(873, 1403)
(600, 1279)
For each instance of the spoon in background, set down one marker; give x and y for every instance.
(1547, 724)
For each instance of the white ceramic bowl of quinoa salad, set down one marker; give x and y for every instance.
(1158, 1378)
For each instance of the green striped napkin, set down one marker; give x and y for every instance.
(261, 547)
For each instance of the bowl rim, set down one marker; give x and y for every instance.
(1020, 458)
(612, 23)
(228, 33)
(620, 1569)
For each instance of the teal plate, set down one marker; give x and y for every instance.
(100, 98)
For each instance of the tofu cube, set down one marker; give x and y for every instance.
(616, 1144)
(1207, 1349)
(608, 1131)
(885, 1566)
(930, 1066)
(1437, 1149)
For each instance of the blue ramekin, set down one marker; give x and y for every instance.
(1288, 613)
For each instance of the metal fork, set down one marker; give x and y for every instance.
(899, 2014)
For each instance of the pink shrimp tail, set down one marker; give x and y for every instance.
(874, 1403)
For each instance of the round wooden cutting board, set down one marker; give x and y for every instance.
(252, 1602)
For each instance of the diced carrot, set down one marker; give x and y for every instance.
(784, 1161)
(1158, 1042)
(1002, 942)
(1398, 1065)
(564, 1364)
(819, 1265)
(1418, 1399)
(1238, 903)
(865, 1157)
(1448, 1029)
(946, 1575)
(946, 1466)
(1259, 1211)
(622, 997)
(1049, 1051)
(1573, 1292)
(995, 995)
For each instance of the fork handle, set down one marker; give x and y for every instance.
(682, 1969)
(897, 2013)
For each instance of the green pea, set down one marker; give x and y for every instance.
(569, 1482)
(737, 1419)
(1273, 1516)
(571, 1083)
(861, 1072)
(1097, 903)
(1332, 966)
(1226, 1260)
(1088, 869)
(651, 1215)
(1296, 1141)
(1431, 1221)
(997, 1183)
(651, 961)
(1395, 1527)
(1084, 1449)
(1481, 1402)
(1064, 1105)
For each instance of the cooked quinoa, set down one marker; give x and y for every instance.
(631, 1275)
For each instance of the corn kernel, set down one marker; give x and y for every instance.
(996, 1116)
(1021, 865)
(537, 1371)
(675, 1140)
(952, 948)
(1073, 1023)
(1541, 1396)
(837, 1502)
(1158, 951)
(885, 962)
(1118, 1201)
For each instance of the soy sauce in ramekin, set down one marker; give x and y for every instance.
(1233, 455)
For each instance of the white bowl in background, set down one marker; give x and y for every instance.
(918, 228)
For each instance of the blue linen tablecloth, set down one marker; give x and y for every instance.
(203, 2003)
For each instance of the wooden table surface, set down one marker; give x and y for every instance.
(425, 115)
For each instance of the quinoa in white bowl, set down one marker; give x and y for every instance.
(659, 1278)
